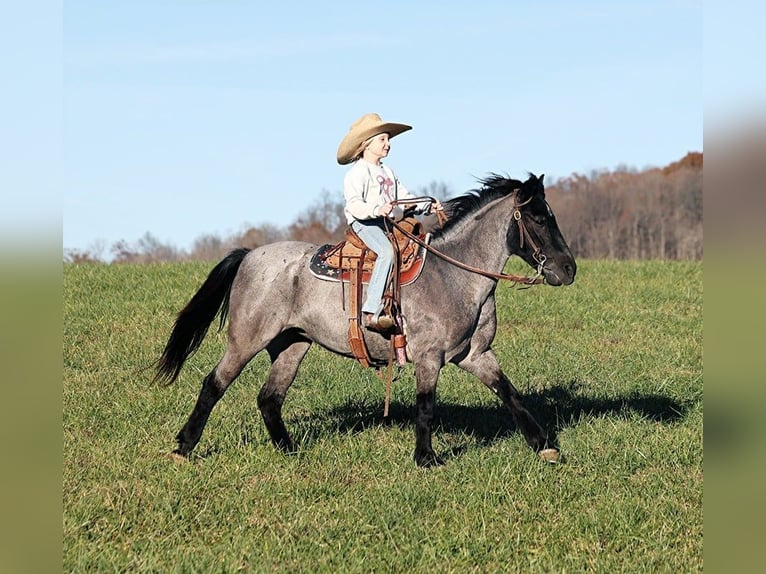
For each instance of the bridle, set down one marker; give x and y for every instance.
(524, 235)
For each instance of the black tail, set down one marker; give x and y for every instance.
(193, 321)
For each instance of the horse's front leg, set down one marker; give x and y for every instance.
(486, 367)
(426, 373)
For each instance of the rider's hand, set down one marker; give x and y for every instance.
(385, 209)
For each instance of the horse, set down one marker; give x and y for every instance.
(273, 302)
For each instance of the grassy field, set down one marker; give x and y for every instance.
(613, 363)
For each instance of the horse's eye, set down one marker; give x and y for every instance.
(539, 219)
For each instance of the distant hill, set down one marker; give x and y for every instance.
(692, 160)
(626, 214)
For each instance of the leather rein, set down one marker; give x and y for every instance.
(524, 235)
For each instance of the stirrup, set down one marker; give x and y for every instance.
(379, 323)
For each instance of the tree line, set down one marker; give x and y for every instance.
(624, 213)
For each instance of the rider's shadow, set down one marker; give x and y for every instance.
(555, 408)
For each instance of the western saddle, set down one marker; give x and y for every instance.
(351, 261)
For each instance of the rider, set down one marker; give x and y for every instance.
(369, 189)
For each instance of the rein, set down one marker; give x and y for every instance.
(524, 234)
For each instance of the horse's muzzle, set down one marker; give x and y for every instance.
(557, 275)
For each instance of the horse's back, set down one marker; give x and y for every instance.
(274, 280)
(274, 265)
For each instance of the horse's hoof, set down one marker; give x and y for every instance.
(550, 455)
(177, 457)
(429, 460)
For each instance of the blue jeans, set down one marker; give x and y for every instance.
(371, 232)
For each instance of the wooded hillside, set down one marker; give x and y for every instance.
(622, 214)
(625, 214)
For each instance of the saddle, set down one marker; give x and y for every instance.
(351, 261)
(335, 262)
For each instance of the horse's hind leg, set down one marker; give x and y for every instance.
(286, 352)
(213, 388)
(487, 369)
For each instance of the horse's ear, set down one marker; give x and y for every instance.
(533, 186)
(527, 188)
(535, 179)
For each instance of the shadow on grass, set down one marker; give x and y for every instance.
(555, 408)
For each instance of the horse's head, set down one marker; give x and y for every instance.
(535, 236)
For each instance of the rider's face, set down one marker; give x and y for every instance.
(379, 146)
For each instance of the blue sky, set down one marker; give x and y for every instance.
(183, 118)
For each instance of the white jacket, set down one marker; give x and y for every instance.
(364, 195)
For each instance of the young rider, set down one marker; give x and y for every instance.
(369, 188)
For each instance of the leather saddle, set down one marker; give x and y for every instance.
(334, 262)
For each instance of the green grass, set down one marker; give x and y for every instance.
(613, 363)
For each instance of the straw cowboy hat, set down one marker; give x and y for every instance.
(361, 130)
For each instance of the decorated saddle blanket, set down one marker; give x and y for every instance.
(334, 262)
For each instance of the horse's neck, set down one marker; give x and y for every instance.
(480, 240)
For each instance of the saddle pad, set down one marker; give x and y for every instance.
(320, 269)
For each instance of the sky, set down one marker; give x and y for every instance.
(189, 118)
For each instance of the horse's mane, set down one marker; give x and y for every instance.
(493, 187)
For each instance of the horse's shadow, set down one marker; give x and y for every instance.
(555, 408)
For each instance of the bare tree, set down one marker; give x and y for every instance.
(148, 249)
(80, 256)
(437, 189)
(209, 248)
(321, 222)
(254, 237)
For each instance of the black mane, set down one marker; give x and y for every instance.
(493, 187)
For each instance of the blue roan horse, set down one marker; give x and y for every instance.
(275, 303)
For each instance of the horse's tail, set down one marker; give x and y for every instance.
(193, 321)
